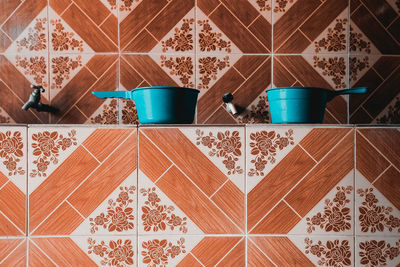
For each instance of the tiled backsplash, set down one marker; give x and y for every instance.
(73, 47)
(200, 196)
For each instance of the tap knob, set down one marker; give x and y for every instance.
(230, 107)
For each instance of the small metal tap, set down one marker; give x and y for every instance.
(230, 107)
(34, 101)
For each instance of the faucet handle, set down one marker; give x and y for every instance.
(37, 87)
(230, 107)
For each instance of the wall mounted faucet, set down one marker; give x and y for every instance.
(34, 101)
(230, 107)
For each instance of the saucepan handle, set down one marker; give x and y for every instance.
(357, 90)
(113, 94)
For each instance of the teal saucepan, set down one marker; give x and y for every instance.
(302, 104)
(159, 104)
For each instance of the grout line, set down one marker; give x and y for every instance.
(245, 192)
(230, 251)
(5, 216)
(1, 187)
(263, 251)
(380, 175)
(284, 201)
(24, 239)
(12, 14)
(293, 187)
(41, 250)
(196, 258)
(137, 192)
(90, 153)
(316, 161)
(216, 191)
(27, 251)
(77, 211)
(163, 173)
(109, 15)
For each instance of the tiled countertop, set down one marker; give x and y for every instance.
(195, 195)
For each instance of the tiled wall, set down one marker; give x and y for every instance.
(73, 47)
(200, 196)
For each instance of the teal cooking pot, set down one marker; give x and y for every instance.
(302, 104)
(159, 104)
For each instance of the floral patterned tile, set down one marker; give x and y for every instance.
(191, 251)
(83, 251)
(205, 165)
(97, 192)
(13, 156)
(300, 250)
(377, 251)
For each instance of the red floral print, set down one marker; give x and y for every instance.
(46, 146)
(157, 217)
(376, 253)
(182, 39)
(375, 218)
(11, 147)
(62, 40)
(116, 253)
(36, 39)
(264, 146)
(211, 41)
(119, 216)
(226, 145)
(336, 216)
(157, 252)
(334, 253)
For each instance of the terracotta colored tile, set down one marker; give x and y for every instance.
(386, 141)
(88, 31)
(36, 257)
(207, 6)
(149, 70)
(138, 19)
(17, 257)
(208, 103)
(221, 116)
(109, 139)
(282, 251)
(5, 41)
(99, 64)
(276, 184)
(320, 140)
(329, 172)
(7, 246)
(262, 29)
(297, 43)
(231, 200)
(88, 104)
(237, 257)
(255, 257)
(188, 158)
(247, 64)
(81, 82)
(3, 179)
(236, 32)
(55, 189)
(254, 85)
(279, 221)
(189, 260)
(63, 221)
(73, 116)
(112, 172)
(386, 65)
(195, 204)
(148, 154)
(59, 5)
(370, 163)
(388, 184)
(109, 27)
(16, 210)
(169, 17)
(210, 250)
(95, 10)
(292, 19)
(7, 7)
(63, 251)
(324, 15)
(7, 228)
(22, 17)
(143, 42)
(243, 10)
(129, 77)
(374, 30)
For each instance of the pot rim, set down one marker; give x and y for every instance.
(165, 87)
(299, 87)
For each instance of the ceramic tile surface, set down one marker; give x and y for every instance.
(13, 251)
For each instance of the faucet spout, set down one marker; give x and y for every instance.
(34, 101)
